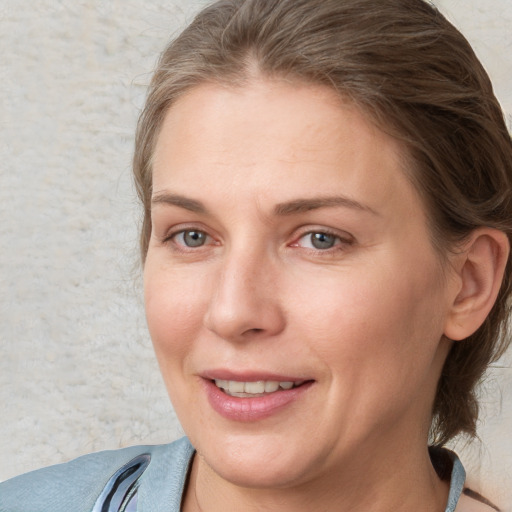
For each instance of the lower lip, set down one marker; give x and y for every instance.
(252, 409)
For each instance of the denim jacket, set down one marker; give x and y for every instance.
(143, 478)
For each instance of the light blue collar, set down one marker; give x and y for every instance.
(457, 481)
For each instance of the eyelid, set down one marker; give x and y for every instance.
(344, 239)
(344, 236)
(171, 234)
(174, 229)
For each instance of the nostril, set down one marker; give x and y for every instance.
(255, 330)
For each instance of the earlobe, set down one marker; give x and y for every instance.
(481, 265)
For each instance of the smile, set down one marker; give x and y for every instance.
(253, 400)
(255, 388)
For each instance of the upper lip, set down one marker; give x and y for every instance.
(250, 376)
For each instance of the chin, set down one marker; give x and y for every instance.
(263, 474)
(257, 461)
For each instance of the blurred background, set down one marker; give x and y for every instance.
(77, 371)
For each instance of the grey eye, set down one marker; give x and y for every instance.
(322, 240)
(193, 238)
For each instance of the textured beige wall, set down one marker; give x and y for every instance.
(77, 372)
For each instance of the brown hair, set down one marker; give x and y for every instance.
(417, 78)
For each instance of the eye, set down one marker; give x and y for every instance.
(321, 240)
(191, 238)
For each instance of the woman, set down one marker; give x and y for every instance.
(327, 204)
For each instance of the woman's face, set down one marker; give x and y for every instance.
(289, 249)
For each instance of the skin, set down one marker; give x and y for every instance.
(363, 320)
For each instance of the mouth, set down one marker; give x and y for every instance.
(254, 389)
(252, 397)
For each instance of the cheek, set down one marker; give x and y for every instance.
(375, 320)
(174, 310)
(377, 336)
(174, 316)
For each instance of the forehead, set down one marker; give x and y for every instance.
(279, 140)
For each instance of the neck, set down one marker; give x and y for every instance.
(370, 484)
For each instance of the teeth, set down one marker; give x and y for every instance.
(256, 388)
(236, 387)
(253, 388)
(271, 386)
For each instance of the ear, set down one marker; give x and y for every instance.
(480, 267)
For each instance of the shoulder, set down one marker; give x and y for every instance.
(76, 485)
(461, 499)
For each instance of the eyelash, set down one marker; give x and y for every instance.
(181, 247)
(341, 243)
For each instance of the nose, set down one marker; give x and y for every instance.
(245, 304)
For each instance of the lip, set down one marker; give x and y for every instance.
(250, 376)
(244, 409)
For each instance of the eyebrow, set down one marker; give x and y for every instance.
(293, 207)
(180, 201)
(305, 205)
